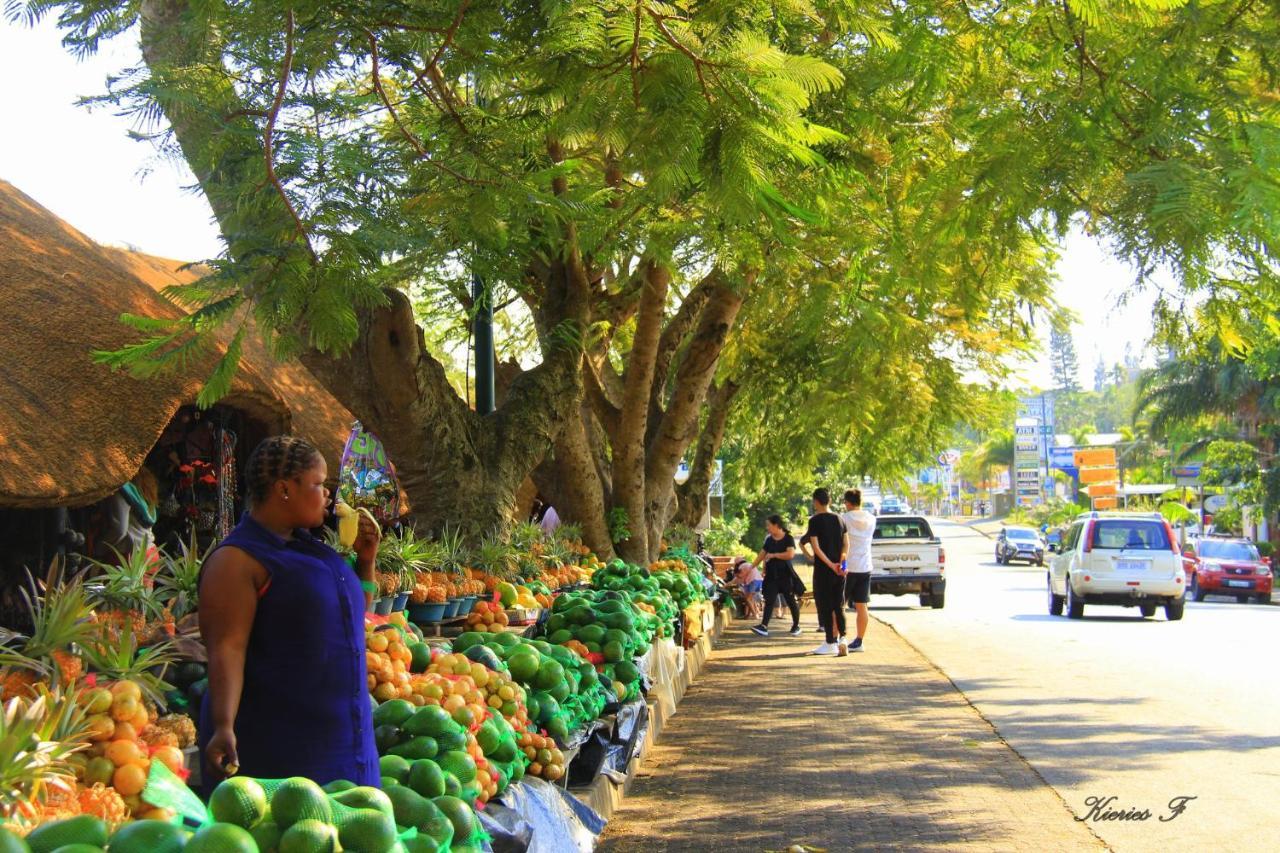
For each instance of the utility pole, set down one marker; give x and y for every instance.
(482, 333)
(482, 326)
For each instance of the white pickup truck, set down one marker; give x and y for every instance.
(907, 559)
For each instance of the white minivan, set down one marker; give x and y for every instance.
(1126, 559)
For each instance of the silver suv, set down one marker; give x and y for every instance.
(1125, 559)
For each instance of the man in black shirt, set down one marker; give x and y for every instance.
(826, 539)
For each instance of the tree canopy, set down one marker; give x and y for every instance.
(808, 225)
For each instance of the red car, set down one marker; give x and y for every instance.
(1222, 566)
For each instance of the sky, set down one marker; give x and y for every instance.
(83, 166)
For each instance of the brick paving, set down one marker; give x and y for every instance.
(772, 747)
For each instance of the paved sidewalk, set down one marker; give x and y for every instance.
(772, 747)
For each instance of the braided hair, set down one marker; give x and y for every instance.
(281, 457)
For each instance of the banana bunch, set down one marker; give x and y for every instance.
(349, 522)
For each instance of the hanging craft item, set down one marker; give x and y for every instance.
(367, 478)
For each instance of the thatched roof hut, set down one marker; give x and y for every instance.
(72, 431)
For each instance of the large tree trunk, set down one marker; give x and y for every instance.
(650, 413)
(457, 467)
(628, 440)
(679, 423)
(692, 497)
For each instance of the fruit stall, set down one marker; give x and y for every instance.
(515, 687)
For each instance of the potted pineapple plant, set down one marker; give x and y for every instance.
(453, 560)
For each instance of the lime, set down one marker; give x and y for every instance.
(239, 800)
(309, 836)
(297, 799)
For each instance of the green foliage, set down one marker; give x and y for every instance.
(618, 522)
(725, 535)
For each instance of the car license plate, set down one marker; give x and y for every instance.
(1242, 584)
(1132, 565)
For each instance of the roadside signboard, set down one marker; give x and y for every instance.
(1105, 503)
(1102, 490)
(1095, 457)
(1089, 476)
(1187, 475)
(1028, 461)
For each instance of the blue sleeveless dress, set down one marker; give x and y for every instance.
(305, 709)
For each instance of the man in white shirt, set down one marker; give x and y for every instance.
(859, 527)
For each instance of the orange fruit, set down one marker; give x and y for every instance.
(385, 692)
(535, 769)
(101, 728)
(453, 703)
(122, 752)
(372, 681)
(135, 803)
(141, 719)
(129, 780)
(125, 709)
(171, 757)
(378, 641)
(417, 699)
(126, 689)
(125, 731)
(98, 701)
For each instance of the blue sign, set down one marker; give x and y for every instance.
(1188, 471)
(1062, 458)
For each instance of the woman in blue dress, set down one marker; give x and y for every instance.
(282, 616)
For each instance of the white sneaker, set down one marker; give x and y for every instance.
(842, 649)
(825, 649)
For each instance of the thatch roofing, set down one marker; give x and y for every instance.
(317, 415)
(72, 431)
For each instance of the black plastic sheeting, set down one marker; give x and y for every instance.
(535, 816)
(609, 752)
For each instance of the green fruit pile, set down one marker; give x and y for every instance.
(562, 690)
(425, 744)
(680, 573)
(628, 630)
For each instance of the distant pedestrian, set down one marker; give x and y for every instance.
(860, 527)
(826, 537)
(779, 575)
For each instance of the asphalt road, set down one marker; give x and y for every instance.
(1142, 710)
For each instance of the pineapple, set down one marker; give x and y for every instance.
(59, 620)
(38, 738)
(436, 594)
(155, 735)
(103, 802)
(182, 726)
(122, 659)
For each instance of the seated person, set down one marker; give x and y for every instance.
(748, 579)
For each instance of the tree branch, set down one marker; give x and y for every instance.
(268, 132)
(404, 131)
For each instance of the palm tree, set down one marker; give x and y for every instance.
(1207, 386)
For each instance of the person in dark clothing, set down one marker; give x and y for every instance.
(779, 575)
(827, 539)
(282, 615)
